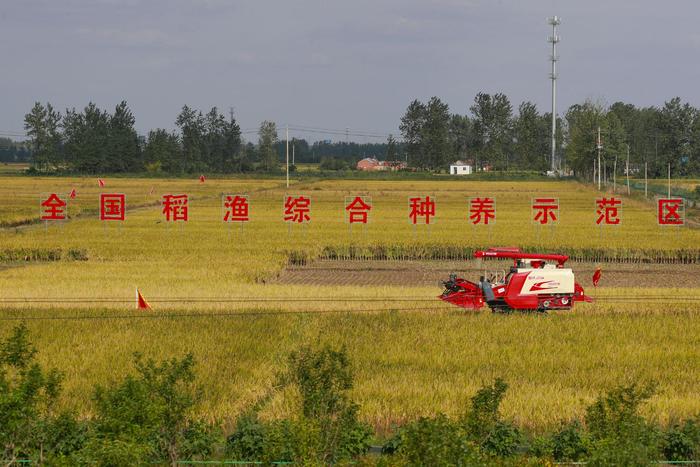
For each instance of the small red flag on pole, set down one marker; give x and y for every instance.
(142, 303)
(72, 194)
(100, 182)
(596, 277)
(202, 179)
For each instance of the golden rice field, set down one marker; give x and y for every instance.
(213, 290)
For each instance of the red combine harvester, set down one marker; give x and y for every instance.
(534, 283)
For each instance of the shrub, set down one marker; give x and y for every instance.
(28, 395)
(150, 414)
(247, 443)
(325, 431)
(504, 439)
(619, 435)
(437, 441)
(323, 377)
(484, 426)
(570, 443)
(681, 442)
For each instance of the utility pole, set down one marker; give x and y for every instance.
(599, 146)
(347, 148)
(615, 175)
(554, 21)
(646, 181)
(287, 138)
(669, 179)
(293, 159)
(627, 170)
(594, 172)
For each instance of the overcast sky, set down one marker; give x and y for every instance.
(338, 64)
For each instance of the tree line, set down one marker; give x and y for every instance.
(13, 151)
(150, 416)
(492, 135)
(93, 140)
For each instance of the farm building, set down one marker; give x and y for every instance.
(461, 168)
(369, 163)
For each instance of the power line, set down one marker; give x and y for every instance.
(254, 314)
(233, 314)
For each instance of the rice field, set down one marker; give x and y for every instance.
(216, 290)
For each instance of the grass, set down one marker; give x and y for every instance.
(421, 357)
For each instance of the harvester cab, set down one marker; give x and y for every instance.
(537, 282)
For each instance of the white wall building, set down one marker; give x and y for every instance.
(460, 168)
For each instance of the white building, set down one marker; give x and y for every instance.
(460, 168)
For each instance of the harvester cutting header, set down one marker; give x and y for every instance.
(536, 281)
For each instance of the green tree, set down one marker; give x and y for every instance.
(163, 151)
(214, 140)
(86, 139)
(412, 124)
(532, 145)
(123, 149)
(391, 154)
(435, 135)
(615, 147)
(192, 127)
(694, 156)
(267, 139)
(676, 127)
(233, 158)
(42, 126)
(461, 135)
(583, 121)
(493, 128)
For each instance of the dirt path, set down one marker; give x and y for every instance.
(428, 273)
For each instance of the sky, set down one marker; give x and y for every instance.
(334, 64)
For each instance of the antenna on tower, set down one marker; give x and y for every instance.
(554, 21)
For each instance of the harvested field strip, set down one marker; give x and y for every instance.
(428, 273)
(15, 255)
(449, 252)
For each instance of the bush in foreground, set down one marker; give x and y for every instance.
(326, 428)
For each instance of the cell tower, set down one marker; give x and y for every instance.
(554, 21)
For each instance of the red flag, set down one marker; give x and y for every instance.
(142, 303)
(100, 182)
(596, 277)
(201, 179)
(72, 194)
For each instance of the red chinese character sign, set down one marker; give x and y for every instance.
(421, 209)
(670, 211)
(175, 208)
(297, 209)
(545, 211)
(357, 209)
(112, 207)
(235, 208)
(482, 211)
(53, 207)
(608, 211)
